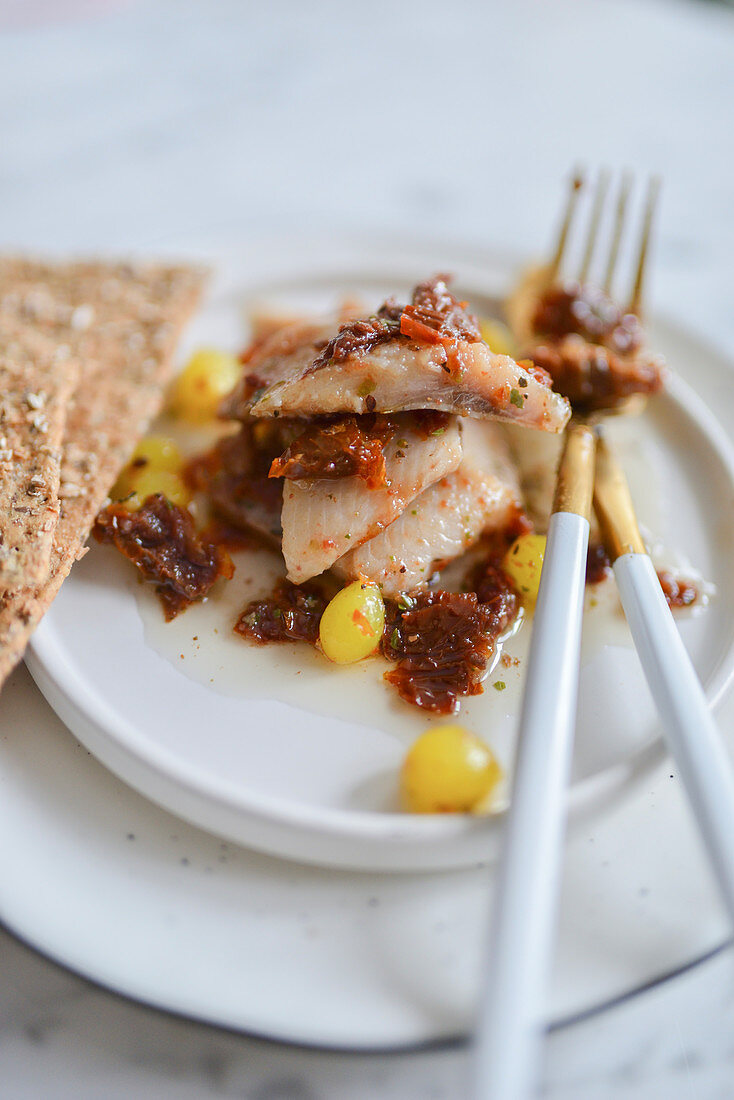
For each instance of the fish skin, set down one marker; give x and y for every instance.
(273, 358)
(324, 518)
(400, 375)
(449, 517)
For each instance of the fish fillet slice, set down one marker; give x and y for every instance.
(322, 519)
(482, 495)
(400, 375)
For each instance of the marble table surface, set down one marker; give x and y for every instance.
(185, 125)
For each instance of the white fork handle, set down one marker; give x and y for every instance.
(522, 932)
(688, 726)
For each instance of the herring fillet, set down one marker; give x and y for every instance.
(277, 355)
(481, 495)
(323, 519)
(399, 375)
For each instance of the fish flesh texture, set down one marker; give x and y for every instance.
(482, 495)
(324, 518)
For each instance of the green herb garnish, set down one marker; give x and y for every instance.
(516, 398)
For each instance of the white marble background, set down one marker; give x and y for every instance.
(190, 125)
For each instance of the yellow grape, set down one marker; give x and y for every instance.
(159, 451)
(448, 770)
(209, 375)
(523, 563)
(352, 624)
(498, 336)
(153, 481)
(154, 453)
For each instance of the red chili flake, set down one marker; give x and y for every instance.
(361, 621)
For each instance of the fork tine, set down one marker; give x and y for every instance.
(577, 182)
(602, 187)
(624, 192)
(653, 190)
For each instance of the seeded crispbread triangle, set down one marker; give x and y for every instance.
(36, 381)
(121, 322)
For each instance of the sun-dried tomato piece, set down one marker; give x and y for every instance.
(160, 539)
(234, 477)
(442, 643)
(598, 565)
(362, 335)
(434, 316)
(291, 614)
(592, 348)
(592, 376)
(349, 446)
(678, 591)
(496, 594)
(589, 312)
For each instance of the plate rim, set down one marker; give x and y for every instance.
(304, 1042)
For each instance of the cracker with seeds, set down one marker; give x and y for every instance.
(36, 382)
(122, 323)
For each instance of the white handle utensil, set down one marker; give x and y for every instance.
(687, 724)
(511, 1012)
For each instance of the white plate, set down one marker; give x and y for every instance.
(274, 748)
(106, 883)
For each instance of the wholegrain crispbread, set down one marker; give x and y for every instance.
(36, 381)
(121, 322)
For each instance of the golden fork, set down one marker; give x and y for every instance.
(510, 1022)
(592, 233)
(511, 1014)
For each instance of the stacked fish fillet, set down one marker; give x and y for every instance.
(418, 384)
